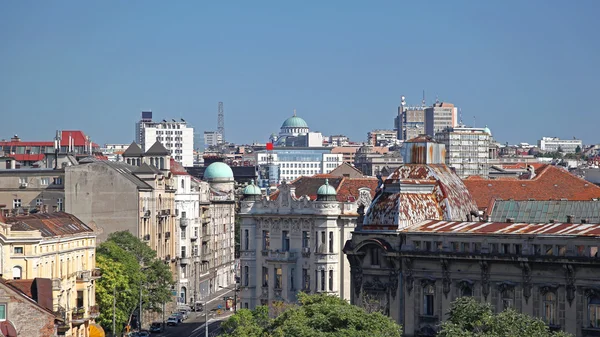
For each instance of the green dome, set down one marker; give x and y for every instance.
(252, 189)
(294, 122)
(487, 130)
(326, 189)
(218, 170)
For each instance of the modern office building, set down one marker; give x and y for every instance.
(289, 164)
(553, 144)
(212, 138)
(176, 136)
(439, 116)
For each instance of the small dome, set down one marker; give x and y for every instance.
(326, 189)
(487, 130)
(218, 170)
(294, 122)
(252, 189)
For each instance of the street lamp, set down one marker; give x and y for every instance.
(235, 291)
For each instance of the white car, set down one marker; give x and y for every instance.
(173, 320)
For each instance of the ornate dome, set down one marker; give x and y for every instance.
(252, 189)
(218, 170)
(487, 130)
(294, 122)
(326, 189)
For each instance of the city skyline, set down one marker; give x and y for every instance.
(96, 66)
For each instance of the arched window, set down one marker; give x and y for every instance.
(594, 311)
(508, 298)
(162, 163)
(138, 162)
(183, 295)
(17, 272)
(246, 276)
(428, 300)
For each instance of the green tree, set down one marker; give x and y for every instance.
(470, 318)
(128, 264)
(315, 315)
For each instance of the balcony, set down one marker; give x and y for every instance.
(56, 284)
(96, 273)
(194, 236)
(167, 235)
(183, 222)
(205, 231)
(78, 316)
(84, 276)
(146, 214)
(184, 261)
(277, 256)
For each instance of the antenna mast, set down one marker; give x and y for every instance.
(221, 123)
(423, 101)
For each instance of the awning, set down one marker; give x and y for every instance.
(7, 329)
(96, 331)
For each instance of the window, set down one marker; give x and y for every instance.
(505, 248)
(322, 280)
(466, 291)
(16, 203)
(2, 312)
(594, 311)
(17, 272)
(39, 202)
(265, 240)
(428, 300)
(44, 181)
(417, 245)
(285, 241)
(508, 298)
(562, 250)
(183, 234)
(18, 250)
(330, 242)
(246, 239)
(59, 204)
(518, 249)
(493, 248)
(265, 276)
(246, 276)
(182, 252)
(549, 311)
(549, 249)
(22, 181)
(293, 271)
(374, 256)
(278, 276)
(305, 239)
(305, 279)
(331, 280)
(57, 181)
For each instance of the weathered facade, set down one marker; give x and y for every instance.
(291, 244)
(25, 189)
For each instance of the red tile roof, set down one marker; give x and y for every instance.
(550, 183)
(49, 224)
(177, 169)
(25, 286)
(346, 188)
(486, 228)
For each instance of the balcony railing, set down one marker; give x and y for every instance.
(183, 222)
(184, 261)
(194, 236)
(84, 276)
(282, 256)
(96, 273)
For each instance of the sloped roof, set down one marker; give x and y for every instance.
(536, 211)
(49, 224)
(416, 192)
(133, 150)
(157, 149)
(147, 169)
(346, 188)
(550, 183)
(503, 228)
(10, 285)
(177, 169)
(339, 171)
(126, 170)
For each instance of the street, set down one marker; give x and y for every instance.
(194, 325)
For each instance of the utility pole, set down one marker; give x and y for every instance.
(140, 318)
(205, 319)
(114, 331)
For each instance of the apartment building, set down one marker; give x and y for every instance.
(27, 189)
(212, 138)
(293, 241)
(553, 144)
(60, 247)
(467, 149)
(439, 116)
(176, 136)
(293, 163)
(382, 137)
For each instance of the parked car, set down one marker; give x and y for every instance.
(173, 320)
(143, 333)
(178, 315)
(184, 314)
(156, 327)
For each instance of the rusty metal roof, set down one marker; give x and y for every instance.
(502, 228)
(416, 192)
(545, 210)
(50, 224)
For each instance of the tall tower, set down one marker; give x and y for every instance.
(221, 123)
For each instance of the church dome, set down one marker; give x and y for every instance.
(294, 122)
(218, 170)
(487, 130)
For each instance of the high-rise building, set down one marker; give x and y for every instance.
(212, 138)
(467, 150)
(410, 122)
(440, 116)
(176, 136)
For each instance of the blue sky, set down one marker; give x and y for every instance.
(525, 68)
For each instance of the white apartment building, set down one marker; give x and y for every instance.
(300, 162)
(176, 136)
(439, 116)
(212, 138)
(467, 150)
(553, 144)
(382, 137)
(339, 140)
(293, 244)
(114, 151)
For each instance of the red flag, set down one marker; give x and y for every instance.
(269, 146)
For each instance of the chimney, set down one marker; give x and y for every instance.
(510, 220)
(570, 218)
(584, 221)
(15, 138)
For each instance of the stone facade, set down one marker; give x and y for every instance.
(293, 244)
(25, 189)
(25, 316)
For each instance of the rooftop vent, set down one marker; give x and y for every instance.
(510, 220)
